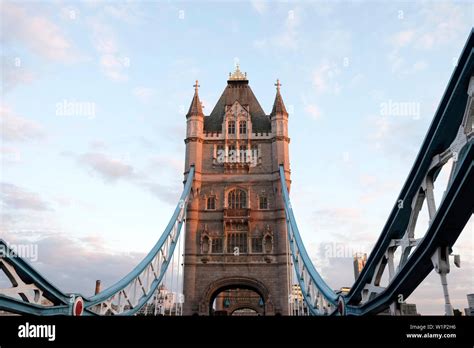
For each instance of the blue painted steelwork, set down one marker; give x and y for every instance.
(298, 251)
(453, 213)
(441, 134)
(451, 217)
(103, 295)
(29, 275)
(62, 303)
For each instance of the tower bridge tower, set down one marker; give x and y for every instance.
(236, 235)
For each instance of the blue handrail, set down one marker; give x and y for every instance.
(322, 286)
(121, 284)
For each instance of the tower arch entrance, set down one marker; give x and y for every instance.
(228, 295)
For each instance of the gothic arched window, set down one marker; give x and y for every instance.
(268, 242)
(237, 199)
(231, 127)
(211, 203)
(205, 245)
(242, 127)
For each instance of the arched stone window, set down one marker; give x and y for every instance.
(237, 199)
(231, 127)
(242, 127)
(211, 203)
(268, 243)
(205, 244)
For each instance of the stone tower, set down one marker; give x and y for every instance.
(235, 226)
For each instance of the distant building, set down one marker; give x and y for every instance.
(296, 292)
(360, 259)
(470, 300)
(164, 303)
(470, 303)
(297, 303)
(343, 291)
(408, 309)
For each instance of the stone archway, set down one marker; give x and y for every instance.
(258, 311)
(223, 284)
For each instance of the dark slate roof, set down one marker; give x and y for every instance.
(238, 91)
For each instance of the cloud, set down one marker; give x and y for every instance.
(403, 38)
(336, 43)
(18, 129)
(112, 169)
(419, 66)
(112, 63)
(36, 32)
(14, 73)
(109, 168)
(144, 94)
(168, 194)
(113, 67)
(313, 111)
(97, 145)
(260, 6)
(440, 23)
(14, 197)
(337, 217)
(128, 12)
(288, 38)
(10, 155)
(396, 136)
(174, 162)
(443, 22)
(375, 188)
(324, 78)
(399, 65)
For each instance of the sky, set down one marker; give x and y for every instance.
(93, 105)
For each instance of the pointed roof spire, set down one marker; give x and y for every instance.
(278, 105)
(195, 109)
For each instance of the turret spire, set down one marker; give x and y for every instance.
(278, 105)
(196, 107)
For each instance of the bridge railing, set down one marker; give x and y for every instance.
(450, 137)
(320, 298)
(30, 290)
